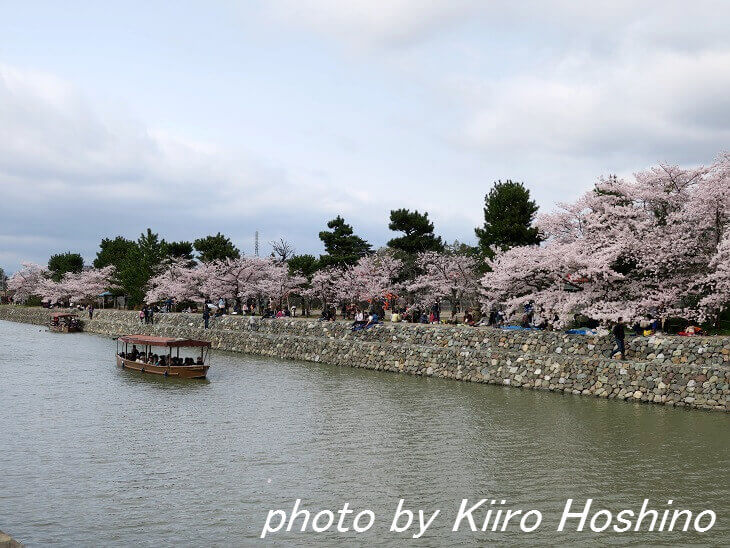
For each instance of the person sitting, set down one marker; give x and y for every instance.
(359, 319)
(162, 361)
(423, 318)
(373, 319)
(469, 318)
(395, 317)
(199, 361)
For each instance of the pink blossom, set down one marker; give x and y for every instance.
(651, 245)
(446, 276)
(26, 281)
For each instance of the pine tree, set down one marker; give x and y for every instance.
(417, 232)
(509, 214)
(341, 245)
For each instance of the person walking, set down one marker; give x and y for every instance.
(619, 334)
(152, 315)
(91, 311)
(436, 310)
(206, 315)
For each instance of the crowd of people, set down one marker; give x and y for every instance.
(360, 316)
(161, 360)
(365, 317)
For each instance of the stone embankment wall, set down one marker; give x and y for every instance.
(679, 371)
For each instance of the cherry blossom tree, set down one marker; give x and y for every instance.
(87, 285)
(279, 284)
(249, 277)
(324, 285)
(651, 245)
(373, 277)
(53, 292)
(178, 280)
(445, 276)
(717, 283)
(25, 282)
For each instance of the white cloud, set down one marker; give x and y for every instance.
(69, 173)
(433, 99)
(643, 82)
(367, 23)
(662, 107)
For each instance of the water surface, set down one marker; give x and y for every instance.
(94, 455)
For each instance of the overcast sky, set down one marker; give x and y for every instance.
(198, 117)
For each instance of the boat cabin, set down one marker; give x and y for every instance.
(161, 356)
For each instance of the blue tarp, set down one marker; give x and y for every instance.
(581, 332)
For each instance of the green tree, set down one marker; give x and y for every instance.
(61, 263)
(341, 245)
(3, 282)
(509, 214)
(218, 247)
(417, 232)
(132, 276)
(180, 250)
(152, 249)
(306, 265)
(135, 262)
(113, 252)
(124, 256)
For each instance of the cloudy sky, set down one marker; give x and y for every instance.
(198, 117)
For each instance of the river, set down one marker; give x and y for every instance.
(94, 455)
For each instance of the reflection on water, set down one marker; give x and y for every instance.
(95, 455)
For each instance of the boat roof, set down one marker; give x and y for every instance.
(62, 315)
(161, 341)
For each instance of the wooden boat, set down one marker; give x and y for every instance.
(63, 322)
(167, 365)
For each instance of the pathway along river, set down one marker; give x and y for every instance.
(93, 455)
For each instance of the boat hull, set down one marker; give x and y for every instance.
(64, 329)
(177, 371)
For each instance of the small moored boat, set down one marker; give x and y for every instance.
(165, 363)
(63, 322)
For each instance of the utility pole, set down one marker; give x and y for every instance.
(256, 244)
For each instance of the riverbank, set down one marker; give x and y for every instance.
(676, 371)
